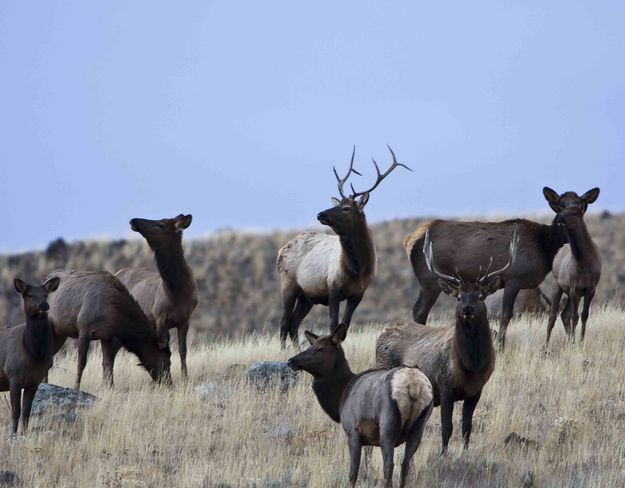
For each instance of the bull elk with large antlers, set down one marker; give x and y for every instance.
(317, 268)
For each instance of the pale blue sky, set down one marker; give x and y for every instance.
(236, 111)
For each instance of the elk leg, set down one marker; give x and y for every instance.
(349, 310)
(16, 401)
(288, 302)
(427, 298)
(355, 450)
(27, 403)
(510, 293)
(565, 316)
(334, 305)
(574, 298)
(447, 427)
(110, 347)
(182, 348)
(390, 427)
(556, 296)
(302, 307)
(83, 348)
(587, 299)
(412, 443)
(468, 407)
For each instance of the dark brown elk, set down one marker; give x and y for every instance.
(95, 305)
(375, 408)
(466, 245)
(317, 268)
(26, 350)
(167, 296)
(576, 270)
(459, 359)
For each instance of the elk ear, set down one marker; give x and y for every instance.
(553, 198)
(363, 201)
(591, 195)
(339, 334)
(490, 287)
(183, 221)
(52, 284)
(20, 286)
(312, 338)
(449, 288)
(335, 201)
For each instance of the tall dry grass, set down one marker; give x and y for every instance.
(571, 402)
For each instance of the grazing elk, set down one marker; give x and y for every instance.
(576, 267)
(465, 245)
(167, 296)
(459, 359)
(317, 268)
(26, 350)
(95, 305)
(375, 408)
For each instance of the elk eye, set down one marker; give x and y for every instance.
(320, 349)
(345, 209)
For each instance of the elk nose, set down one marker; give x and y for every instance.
(468, 310)
(44, 307)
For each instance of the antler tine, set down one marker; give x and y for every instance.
(380, 176)
(429, 261)
(514, 246)
(341, 181)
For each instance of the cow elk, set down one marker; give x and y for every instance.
(577, 266)
(465, 245)
(95, 305)
(375, 408)
(26, 350)
(459, 359)
(167, 296)
(317, 268)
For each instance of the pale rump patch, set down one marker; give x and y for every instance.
(410, 239)
(412, 392)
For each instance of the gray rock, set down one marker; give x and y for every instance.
(281, 431)
(271, 374)
(50, 397)
(7, 478)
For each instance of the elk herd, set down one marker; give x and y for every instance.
(418, 367)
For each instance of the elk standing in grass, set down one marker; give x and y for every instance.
(167, 296)
(459, 359)
(375, 408)
(94, 305)
(26, 350)
(576, 267)
(465, 245)
(317, 268)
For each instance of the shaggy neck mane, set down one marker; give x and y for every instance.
(329, 389)
(473, 344)
(38, 336)
(358, 251)
(173, 268)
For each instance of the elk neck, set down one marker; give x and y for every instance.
(330, 388)
(358, 254)
(173, 268)
(473, 343)
(38, 336)
(582, 247)
(552, 238)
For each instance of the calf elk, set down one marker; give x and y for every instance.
(94, 305)
(463, 246)
(375, 408)
(576, 267)
(459, 359)
(26, 350)
(167, 296)
(317, 268)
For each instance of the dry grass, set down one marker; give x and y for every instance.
(571, 402)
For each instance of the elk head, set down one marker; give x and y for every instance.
(35, 297)
(322, 355)
(559, 203)
(348, 211)
(163, 232)
(470, 295)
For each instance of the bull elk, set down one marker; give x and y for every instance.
(94, 305)
(576, 267)
(463, 246)
(26, 350)
(317, 268)
(375, 408)
(167, 296)
(459, 359)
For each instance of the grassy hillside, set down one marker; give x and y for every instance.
(569, 403)
(238, 282)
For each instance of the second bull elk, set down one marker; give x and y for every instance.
(317, 268)
(463, 246)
